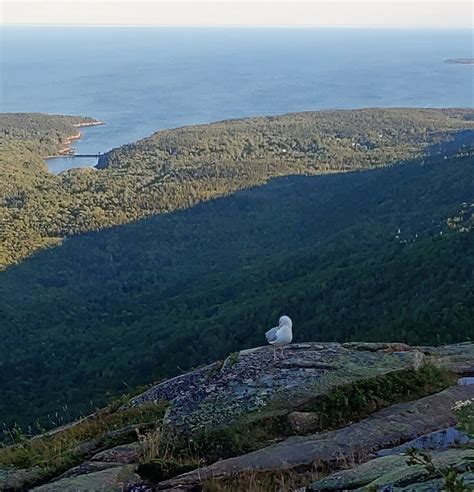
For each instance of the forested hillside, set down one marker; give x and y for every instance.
(30, 197)
(46, 134)
(176, 169)
(372, 255)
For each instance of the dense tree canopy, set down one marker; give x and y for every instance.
(176, 169)
(367, 255)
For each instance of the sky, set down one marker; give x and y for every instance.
(264, 13)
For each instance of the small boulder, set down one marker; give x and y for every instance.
(127, 453)
(303, 422)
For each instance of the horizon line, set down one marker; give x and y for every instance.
(241, 26)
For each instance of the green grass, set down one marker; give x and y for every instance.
(233, 358)
(464, 411)
(359, 399)
(340, 406)
(259, 481)
(58, 451)
(165, 455)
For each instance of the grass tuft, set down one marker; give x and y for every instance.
(166, 455)
(57, 451)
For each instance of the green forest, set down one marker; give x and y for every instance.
(366, 254)
(45, 134)
(176, 169)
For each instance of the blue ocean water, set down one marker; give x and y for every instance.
(139, 80)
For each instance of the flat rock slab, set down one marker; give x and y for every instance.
(19, 479)
(251, 381)
(302, 364)
(393, 471)
(373, 347)
(127, 453)
(88, 467)
(111, 479)
(354, 443)
(458, 357)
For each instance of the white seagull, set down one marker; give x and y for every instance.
(280, 335)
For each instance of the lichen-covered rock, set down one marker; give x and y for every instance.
(88, 467)
(20, 479)
(251, 382)
(171, 388)
(394, 473)
(374, 347)
(317, 386)
(351, 444)
(127, 453)
(458, 357)
(111, 479)
(360, 475)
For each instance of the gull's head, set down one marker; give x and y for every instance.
(285, 321)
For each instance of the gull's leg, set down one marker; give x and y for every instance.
(274, 353)
(282, 354)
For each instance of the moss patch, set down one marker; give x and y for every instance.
(357, 400)
(233, 358)
(340, 406)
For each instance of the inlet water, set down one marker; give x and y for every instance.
(139, 80)
(59, 164)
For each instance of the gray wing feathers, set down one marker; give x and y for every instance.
(271, 334)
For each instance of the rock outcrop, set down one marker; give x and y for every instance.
(111, 479)
(351, 444)
(324, 408)
(394, 471)
(250, 384)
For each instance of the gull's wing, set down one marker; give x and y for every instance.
(272, 335)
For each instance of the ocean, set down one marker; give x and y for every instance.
(140, 80)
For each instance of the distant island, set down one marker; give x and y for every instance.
(460, 61)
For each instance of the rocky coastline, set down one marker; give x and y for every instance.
(67, 150)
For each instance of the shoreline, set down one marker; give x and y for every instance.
(67, 150)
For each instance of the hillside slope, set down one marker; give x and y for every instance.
(176, 169)
(31, 197)
(366, 255)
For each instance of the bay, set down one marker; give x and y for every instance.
(139, 80)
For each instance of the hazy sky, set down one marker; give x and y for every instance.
(329, 13)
